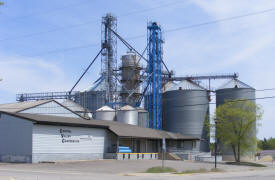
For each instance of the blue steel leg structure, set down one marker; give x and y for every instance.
(154, 84)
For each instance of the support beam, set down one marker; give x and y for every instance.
(221, 76)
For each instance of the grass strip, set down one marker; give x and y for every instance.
(246, 164)
(159, 169)
(201, 170)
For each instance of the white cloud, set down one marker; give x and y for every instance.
(244, 45)
(21, 74)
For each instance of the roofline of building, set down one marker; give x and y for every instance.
(69, 109)
(92, 126)
(52, 100)
(46, 101)
(54, 123)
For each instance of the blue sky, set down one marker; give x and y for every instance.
(53, 60)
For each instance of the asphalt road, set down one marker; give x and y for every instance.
(98, 170)
(54, 175)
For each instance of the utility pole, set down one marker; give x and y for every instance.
(163, 151)
(216, 121)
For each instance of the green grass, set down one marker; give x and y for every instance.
(216, 170)
(202, 170)
(246, 164)
(159, 169)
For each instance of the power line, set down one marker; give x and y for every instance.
(74, 48)
(221, 20)
(248, 90)
(48, 31)
(51, 10)
(236, 100)
(176, 29)
(63, 50)
(186, 105)
(229, 93)
(150, 9)
(84, 23)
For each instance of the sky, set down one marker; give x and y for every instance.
(46, 45)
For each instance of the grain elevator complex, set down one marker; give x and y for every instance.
(135, 104)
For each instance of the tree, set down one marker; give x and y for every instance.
(267, 144)
(1, 3)
(236, 126)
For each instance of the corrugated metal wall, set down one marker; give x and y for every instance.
(91, 100)
(185, 112)
(55, 143)
(15, 139)
(50, 108)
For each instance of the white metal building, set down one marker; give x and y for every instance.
(36, 138)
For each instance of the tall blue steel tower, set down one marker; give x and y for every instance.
(154, 80)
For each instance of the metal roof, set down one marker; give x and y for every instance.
(105, 108)
(185, 85)
(74, 106)
(120, 129)
(167, 86)
(96, 86)
(141, 109)
(127, 108)
(21, 106)
(235, 83)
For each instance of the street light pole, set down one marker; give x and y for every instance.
(216, 121)
(163, 151)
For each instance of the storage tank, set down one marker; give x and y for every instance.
(91, 100)
(185, 111)
(234, 90)
(142, 117)
(105, 113)
(130, 78)
(127, 114)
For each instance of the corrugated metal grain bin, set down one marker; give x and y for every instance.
(185, 110)
(234, 90)
(91, 100)
(127, 114)
(105, 113)
(142, 117)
